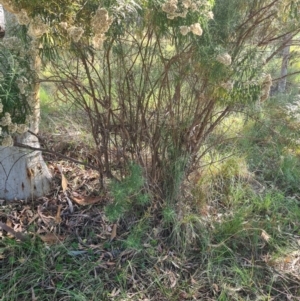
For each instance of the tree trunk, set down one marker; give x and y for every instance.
(284, 64)
(23, 173)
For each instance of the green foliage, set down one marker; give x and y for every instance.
(270, 143)
(169, 215)
(137, 234)
(15, 80)
(128, 194)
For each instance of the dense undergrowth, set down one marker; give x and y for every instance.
(234, 235)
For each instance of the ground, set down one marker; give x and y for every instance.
(237, 237)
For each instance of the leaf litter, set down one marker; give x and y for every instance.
(72, 213)
(60, 213)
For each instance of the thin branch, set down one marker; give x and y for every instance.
(47, 151)
(290, 74)
(17, 235)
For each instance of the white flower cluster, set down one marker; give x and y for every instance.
(224, 59)
(210, 15)
(22, 83)
(37, 28)
(22, 128)
(100, 22)
(170, 7)
(266, 87)
(7, 141)
(175, 8)
(22, 17)
(194, 28)
(12, 128)
(75, 33)
(5, 120)
(63, 25)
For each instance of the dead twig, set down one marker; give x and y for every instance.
(17, 235)
(47, 151)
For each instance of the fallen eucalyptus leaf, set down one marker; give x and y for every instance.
(86, 200)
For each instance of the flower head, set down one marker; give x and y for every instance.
(6, 119)
(98, 41)
(101, 21)
(22, 17)
(210, 15)
(186, 3)
(184, 30)
(224, 59)
(63, 25)
(37, 28)
(196, 29)
(22, 128)
(170, 7)
(7, 141)
(75, 33)
(12, 128)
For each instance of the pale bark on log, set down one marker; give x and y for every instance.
(23, 173)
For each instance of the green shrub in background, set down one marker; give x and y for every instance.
(17, 87)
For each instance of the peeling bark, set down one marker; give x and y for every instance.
(23, 173)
